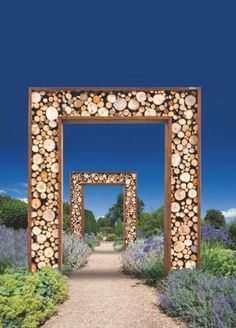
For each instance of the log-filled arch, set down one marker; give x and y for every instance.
(128, 180)
(177, 108)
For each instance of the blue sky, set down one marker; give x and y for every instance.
(126, 44)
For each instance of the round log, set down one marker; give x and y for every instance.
(193, 140)
(176, 127)
(150, 112)
(36, 203)
(158, 99)
(41, 187)
(92, 108)
(37, 159)
(180, 194)
(192, 193)
(103, 111)
(185, 177)
(49, 145)
(133, 104)
(141, 96)
(48, 252)
(35, 97)
(175, 160)
(36, 230)
(179, 246)
(120, 104)
(111, 98)
(51, 113)
(49, 215)
(190, 100)
(184, 230)
(41, 238)
(55, 168)
(175, 207)
(188, 114)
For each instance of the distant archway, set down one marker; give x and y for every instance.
(126, 179)
(178, 108)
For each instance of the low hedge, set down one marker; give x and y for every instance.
(28, 299)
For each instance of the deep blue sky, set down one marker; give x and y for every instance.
(102, 147)
(125, 43)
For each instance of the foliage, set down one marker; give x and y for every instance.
(232, 232)
(103, 222)
(66, 216)
(119, 227)
(200, 299)
(91, 240)
(90, 223)
(144, 259)
(215, 218)
(116, 211)
(13, 213)
(118, 245)
(28, 299)
(152, 222)
(216, 260)
(75, 252)
(210, 234)
(13, 248)
(111, 237)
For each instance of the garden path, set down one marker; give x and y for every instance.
(101, 296)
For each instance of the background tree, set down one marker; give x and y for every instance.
(119, 228)
(66, 216)
(215, 217)
(13, 213)
(116, 211)
(151, 222)
(90, 223)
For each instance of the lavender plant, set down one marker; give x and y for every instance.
(91, 240)
(75, 252)
(200, 299)
(144, 258)
(212, 235)
(13, 247)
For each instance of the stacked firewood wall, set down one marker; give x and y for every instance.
(48, 106)
(128, 180)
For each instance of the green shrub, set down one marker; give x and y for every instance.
(13, 213)
(110, 237)
(216, 260)
(4, 264)
(118, 245)
(28, 299)
(153, 270)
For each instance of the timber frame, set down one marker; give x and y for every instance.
(179, 108)
(128, 180)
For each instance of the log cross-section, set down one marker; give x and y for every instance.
(179, 108)
(126, 179)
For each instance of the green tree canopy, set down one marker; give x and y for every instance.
(116, 211)
(119, 227)
(215, 217)
(151, 222)
(90, 223)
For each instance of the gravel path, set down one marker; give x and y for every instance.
(102, 297)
